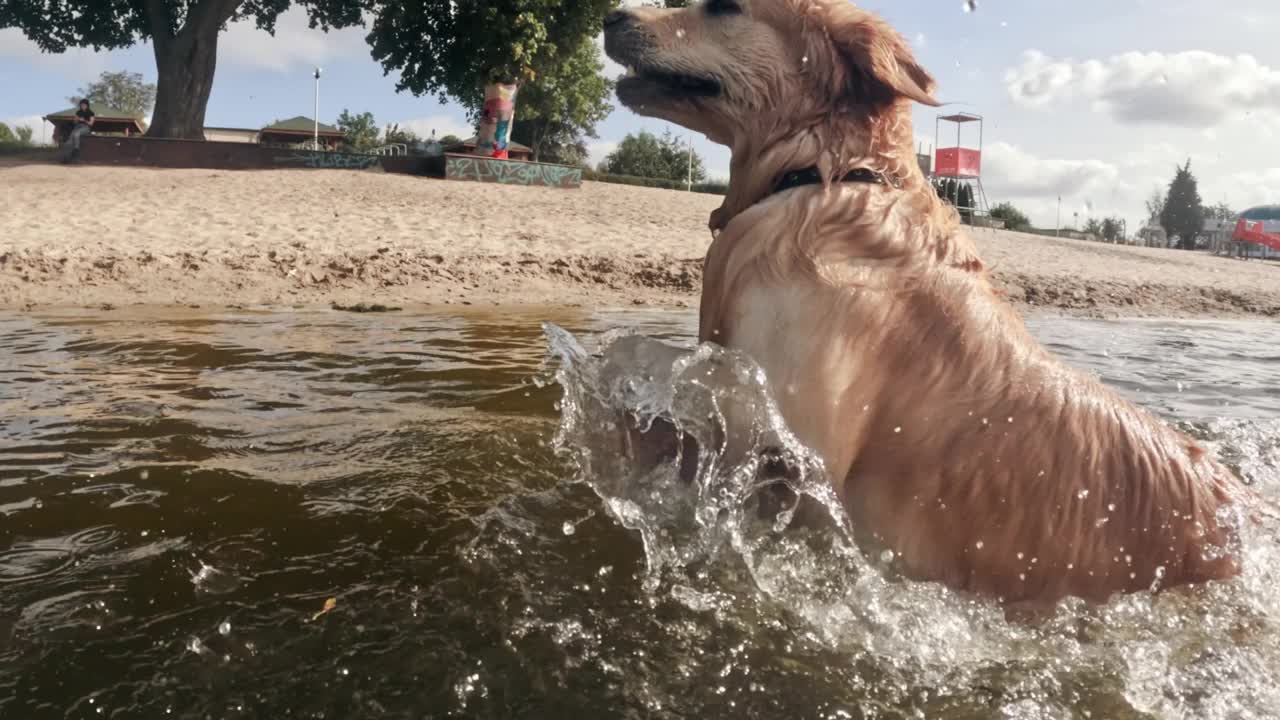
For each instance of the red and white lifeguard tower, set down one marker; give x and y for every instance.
(960, 163)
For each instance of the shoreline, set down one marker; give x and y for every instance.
(97, 237)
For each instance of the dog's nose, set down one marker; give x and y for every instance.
(616, 17)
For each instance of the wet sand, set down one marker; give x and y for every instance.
(94, 236)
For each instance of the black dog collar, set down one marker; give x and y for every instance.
(811, 176)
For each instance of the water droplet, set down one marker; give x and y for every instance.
(898, 429)
(604, 571)
(1019, 556)
(344, 672)
(1082, 494)
(886, 556)
(1101, 522)
(1022, 576)
(225, 628)
(195, 646)
(568, 528)
(1111, 507)
(144, 474)
(979, 544)
(680, 33)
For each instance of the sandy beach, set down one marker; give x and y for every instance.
(104, 236)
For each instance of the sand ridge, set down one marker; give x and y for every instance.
(89, 236)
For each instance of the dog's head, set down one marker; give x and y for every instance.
(721, 66)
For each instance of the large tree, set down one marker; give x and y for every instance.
(1183, 211)
(559, 109)
(183, 35)
(450, 49)
(122, 90)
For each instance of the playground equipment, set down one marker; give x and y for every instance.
(961, 163)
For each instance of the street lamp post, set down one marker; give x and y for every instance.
(315, 137)
(689, 175)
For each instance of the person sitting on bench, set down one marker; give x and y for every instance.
(82, 127)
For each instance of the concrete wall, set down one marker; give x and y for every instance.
(230, 135)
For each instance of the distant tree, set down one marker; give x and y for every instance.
(646, 155)
(1013, 218)
(6, 135)
(1183, 213)
(122, 90)
(1093, 226)
(559, 109)
(450, 139)
(1155, 206)
(25, 133)
(1221, 211)
(360, 132)
(393, 134)
(183, 35)
(1111, 230)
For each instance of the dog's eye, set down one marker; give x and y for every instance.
(723, 7)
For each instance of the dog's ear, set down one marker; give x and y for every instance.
(880, 63)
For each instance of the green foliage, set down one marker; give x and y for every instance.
(646, 155)
(451, 49)
(124, 91)
(1013, 218)
(1112, 230)
(1183, 213)
(559, 109)
(449, 140)
(1221, 211)
(709, 188)
(7, 136)
(360, 131)
(24, 133)
(1093, 226)
(395, 134)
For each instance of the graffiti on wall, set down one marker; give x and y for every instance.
(511, 172)
(327, 160)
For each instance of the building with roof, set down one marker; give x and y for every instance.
(300, 129)
(106, 121)
(230, 134)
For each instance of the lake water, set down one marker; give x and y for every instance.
(329, 515)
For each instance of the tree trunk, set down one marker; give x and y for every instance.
(185, 65)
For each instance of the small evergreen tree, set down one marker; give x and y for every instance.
(1183, 213)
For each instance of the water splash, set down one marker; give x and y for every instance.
(683, 446)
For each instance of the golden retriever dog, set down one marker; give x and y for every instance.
(952, 437)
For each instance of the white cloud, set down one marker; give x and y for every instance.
(294, 45)
(1116, 187)
(598, 151)
(81, 64)
(441, 124)
(1193, 89)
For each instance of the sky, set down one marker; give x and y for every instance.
(1092, 101)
